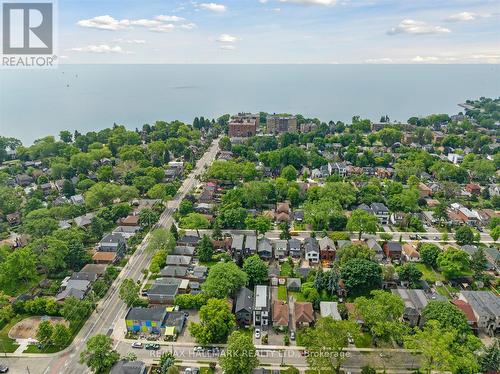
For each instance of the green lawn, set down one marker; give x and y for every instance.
(206, 371)
(32, 348)
(20, 288)
(282, 292)
(363, 340)
(7, 344)
(429, 274)
(443, 292)
(299, 296)
(286, 269)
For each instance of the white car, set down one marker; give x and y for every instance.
(137, 345)
(257, 333)
(198, 349)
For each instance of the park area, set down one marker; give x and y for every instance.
(27, 328)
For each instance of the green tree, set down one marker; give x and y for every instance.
(260, 224)
(66, 136)
(240, 354)
(289, 173)
(495, 233)
(195, 221)
(256, 270)
(362, 222)
(224, 279)
(489, 359)
(205, 249)
(61, 335)
(326, 343)
(99, 354)
(382, 314)
(479, 262)
(464, 235)
(429, 254)
(44, 332)
(352, 251)
(361, 276)
(447, 314)
(216, 322)
(75, 311)
(410, 273)
(129, 292)
(453, 262)
(167, 360)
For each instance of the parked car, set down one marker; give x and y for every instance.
(4, 368)
(257, 333)
(152, 346)
(198, 350)
(292, 335)
(350, 340)
(137, 345)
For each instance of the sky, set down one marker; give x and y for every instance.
(279, 31)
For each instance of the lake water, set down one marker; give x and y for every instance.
(35, 103)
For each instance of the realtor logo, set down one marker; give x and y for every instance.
(28, 28)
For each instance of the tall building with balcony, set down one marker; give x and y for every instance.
(277, 124)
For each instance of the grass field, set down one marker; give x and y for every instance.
(429, 274)
(282, 292)
(286, 269)
(299, 296)
(7, 344)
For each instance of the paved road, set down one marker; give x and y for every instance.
(395, 359)
(110, 309)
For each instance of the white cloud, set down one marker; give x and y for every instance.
(101, 48)
(164, 18)
(213, 7)
(227, 47)
(105, 22)
(163, 28)
(383, 60)
(425, 59)
(189, 26)
(463, 16)
(263, 1)
(311, 2)
(409, 26)
(145, 22)
(226, 38)
(130, 41)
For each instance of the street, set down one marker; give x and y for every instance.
(110, 309)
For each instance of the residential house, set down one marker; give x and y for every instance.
(126, 231)
(174, 324)
(237, 244)
(311, 249)
(374, 246)
(130, 220)
(424, 190)
(293, 284)
(183, 251)
(327, 249)
(339, 168)
(163, 293)
(261, 306)
(188, 240)
(129, 367)
(13, 219)
(281, 314)
(77, 199)
(84, 220)
(243, 307)
(73, 288)
(381, 212)
(23, 180)
(177, 260)
(415, 301)
(200, 273)
(113, 243)
(298, 215)
(393, 250)
(174, 271)
(265, 249)
(281, 250)
(250, 247)
(329, 309)
(303, 314)
(410, 253)
(105, 257)
(146, 320)
(469, 313)
(100, 270)
(295, 248)
(486, 307)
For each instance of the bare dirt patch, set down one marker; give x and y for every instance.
(26, 329)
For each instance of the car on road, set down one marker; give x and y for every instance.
(4, 368)
(436, 238)
(423, 237)
(137, 345)
(257, 333)
(350, 340)
(152, 346)
(304, 352)
(292, 335)
(198, 349)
